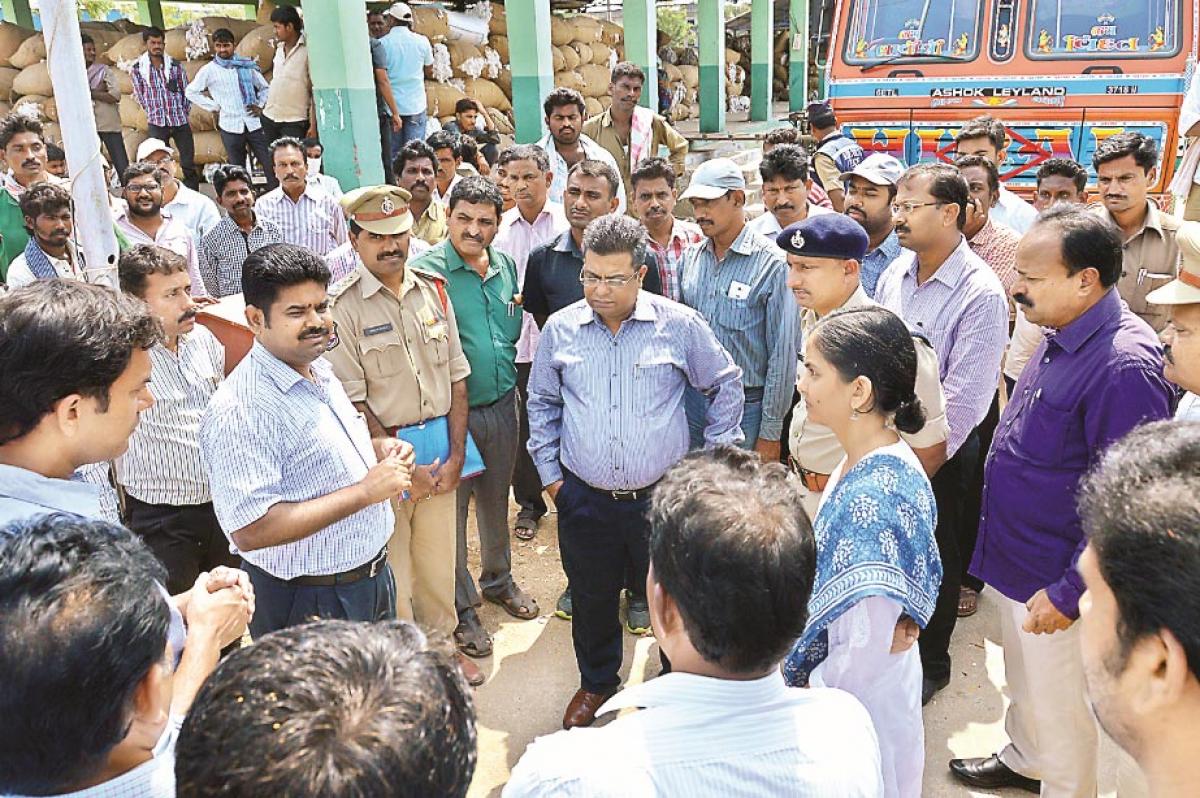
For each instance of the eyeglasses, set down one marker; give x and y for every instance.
(611, 282)
(906, 208)
(142, 189)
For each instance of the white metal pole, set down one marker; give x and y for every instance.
(68, 75)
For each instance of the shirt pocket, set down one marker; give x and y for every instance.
(383, 355)
(654, 378)
(1050, 435)
(737, 314)
(436, 335)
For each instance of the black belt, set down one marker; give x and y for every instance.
(365, 571)
(638, 494)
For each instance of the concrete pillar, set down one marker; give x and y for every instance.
(17, 12)
(149, 12)
(251, 10)
(762, 73)
(798, 56)
(640, 21)
(343, 82)
(532, 65)
(710, 34)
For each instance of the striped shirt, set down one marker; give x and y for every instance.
(963, 311)
(746, 301)
(315, 222)
(875, 262)
(670, 257)
(272, 436)
(700, 736)
(224, 87)
(610, 407)
(163, 464)
(172, 234)
(996, 245)
(159, 90)
(224, 249)
(517, 238)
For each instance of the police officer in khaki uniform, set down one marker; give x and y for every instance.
(824, 254)
(401, 363)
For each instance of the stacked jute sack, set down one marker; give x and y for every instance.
(25, 78)
(683, 78)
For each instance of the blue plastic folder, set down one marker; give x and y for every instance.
(431, 441)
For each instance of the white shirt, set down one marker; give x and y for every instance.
(327, 183)
(19, 273)
(195, 211)
(591, 151)
(768, 226)
(517, 238)
(1014, 212)
(315, 222)
(698, 736)
(444, 199)
(225, 96)
(1189, 408)
(1026, 336)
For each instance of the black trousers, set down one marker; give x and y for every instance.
(236, 145)
(279, 604)
(273, 130)
(181, 136)
(596, 535)
(973, 505)
(117, 156)
(385, 146)
(526, 484)
(187, 540)
(950, 485)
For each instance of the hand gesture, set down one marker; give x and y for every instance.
(388, 478)
(1044, 618)
(223, 613)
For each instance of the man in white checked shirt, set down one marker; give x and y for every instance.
(167, 500)
(297, 483)
(308, 216)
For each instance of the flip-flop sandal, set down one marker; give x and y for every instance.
(515, 603)
(472, 639)
(525, 528)
(968, 602)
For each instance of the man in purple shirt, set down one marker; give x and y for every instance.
(945, 292)
(1088, 384)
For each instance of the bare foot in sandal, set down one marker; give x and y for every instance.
(968, 602)
(515, 601)
(470, 636)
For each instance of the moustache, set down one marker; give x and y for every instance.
(396, 254)
(32, 162)
(314, 331)
(187, 315)
(902, 228)
(1167, 356)
(1023, 300)
(784, 206)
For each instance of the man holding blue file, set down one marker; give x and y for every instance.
(403, 367)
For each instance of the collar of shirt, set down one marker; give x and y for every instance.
(952, 268)
(1153, 221)
(283, 375)
(53, 495)
(890, 246)
(690, 691)
(455, 261)
(681, 230)
(434, 211)
(1072, 337)
(744, 244)
(985, 234)
(566, 243)
(371, 285)
(550, 213)
(809, 317)
(591, 149)
(643, 310)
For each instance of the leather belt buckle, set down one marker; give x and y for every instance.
(377, 564)
(624, 495)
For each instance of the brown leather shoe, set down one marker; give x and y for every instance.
(582, 709)
(471, 671)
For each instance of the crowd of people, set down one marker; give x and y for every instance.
(794, 447)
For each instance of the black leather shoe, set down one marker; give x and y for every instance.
(930, 686)
(991, 773)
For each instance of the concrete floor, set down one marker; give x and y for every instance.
(532, 675)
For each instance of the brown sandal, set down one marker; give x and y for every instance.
(515, 602)
(968, 601)
(525, 528)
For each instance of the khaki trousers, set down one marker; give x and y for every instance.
(1053, 733)
(422, 555)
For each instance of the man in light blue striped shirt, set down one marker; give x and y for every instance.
(606, 420)
(297, 483)
(737, 280)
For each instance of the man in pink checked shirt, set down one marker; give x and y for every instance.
(653, 197)
(533, 221)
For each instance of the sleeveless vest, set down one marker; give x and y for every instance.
(844, 151)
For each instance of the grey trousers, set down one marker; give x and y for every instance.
(495, 430)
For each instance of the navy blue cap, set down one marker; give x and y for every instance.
(825, 235)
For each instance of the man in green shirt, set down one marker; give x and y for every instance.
(482, 284)
(24, 149)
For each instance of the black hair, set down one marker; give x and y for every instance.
(468, 150)
(223, 35)
(979, 162)
(277, 266)
(284, 142)
(139, 262)
(1063, 167)
(466, 104)
(140, 169)
(593, 168)
(63, 337)
(563, 96)
(152, 33)
(13, 124)
(54, 152)
(946, 185)
(732, 546)
(873, 342)
(1086, 240)
(823, 118)
(788, 161)
(225, 174)
(86, 39)
(288, 15)
(414, 150)
(43, 198)
(1141, 512)
(782, 135)
(1143, 149)
(627, 69)
(312, 141)
(652, 168)
(445, 140)
(525, 152)
(981, 127)
(477, 190)
(82, 622)
(331, 708)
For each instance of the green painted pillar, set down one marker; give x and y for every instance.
(150, 13)
(762, 29)
(798, 56)
(710, 33)
(640, 21)
(343, 82)
(532, 65)
(251, 10)
(18, 13)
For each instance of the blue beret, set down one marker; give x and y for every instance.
(825, 235)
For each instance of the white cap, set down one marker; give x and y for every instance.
(151, 146)
(715, 178)
(401, 11)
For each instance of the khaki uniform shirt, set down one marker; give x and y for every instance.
(601, 130)
(431, 227)
(827, 170)
(1151, 259)
(814, 446)
(399, 355)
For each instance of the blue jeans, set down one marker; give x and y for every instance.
(695, 404)
(413, 127)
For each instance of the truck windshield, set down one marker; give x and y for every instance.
(1103, 28)
(882, 30)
